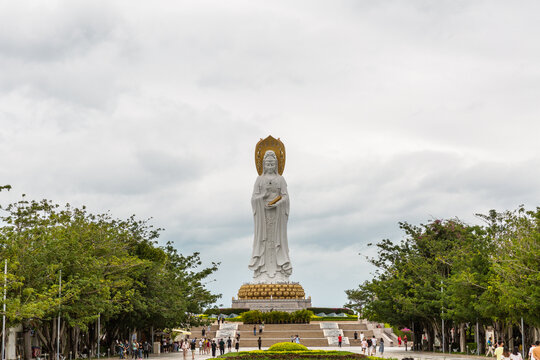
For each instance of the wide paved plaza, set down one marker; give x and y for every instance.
(390, 352)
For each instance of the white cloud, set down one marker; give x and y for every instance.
(390, 112)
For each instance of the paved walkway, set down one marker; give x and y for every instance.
(390, 352)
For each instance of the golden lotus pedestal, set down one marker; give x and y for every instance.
(272, 297)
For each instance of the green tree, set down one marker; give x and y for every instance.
(109, 267)
(414, 282)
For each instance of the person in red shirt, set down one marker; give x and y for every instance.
(339, 339)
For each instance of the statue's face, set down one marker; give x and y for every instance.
(270, 166)
(270, 162)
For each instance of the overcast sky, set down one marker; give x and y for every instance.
(389, 110)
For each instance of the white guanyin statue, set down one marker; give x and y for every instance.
(270, 201)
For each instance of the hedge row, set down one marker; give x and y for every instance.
(277, 317)
(329, 318)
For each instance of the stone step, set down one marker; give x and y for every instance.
(311, 335)
(354, 326)
(269, 334)
(350, 333)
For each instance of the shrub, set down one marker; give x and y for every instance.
(252, 317)
(301, 316)
(287, 346)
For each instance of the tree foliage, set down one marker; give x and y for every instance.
(450, 270)
(109, 267)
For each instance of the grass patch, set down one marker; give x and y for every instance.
(287, 346)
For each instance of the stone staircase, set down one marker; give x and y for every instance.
(311, 335)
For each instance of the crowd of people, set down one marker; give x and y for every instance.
(135, 350)
(206, 346)
(502, 352)
(369, 345)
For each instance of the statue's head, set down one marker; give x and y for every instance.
(270, 162)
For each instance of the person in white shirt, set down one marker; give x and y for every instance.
(373, 350)
(515, 355)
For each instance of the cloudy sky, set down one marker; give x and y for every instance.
(390, 111)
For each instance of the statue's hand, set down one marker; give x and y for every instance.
(268, 206)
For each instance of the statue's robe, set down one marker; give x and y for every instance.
(259, 258)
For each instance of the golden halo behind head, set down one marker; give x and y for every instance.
(270, 144)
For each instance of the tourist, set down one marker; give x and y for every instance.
(339, 339)
(259, 342)
(369, 344)
(292, 338)
(405, 342)
(208, 346)
(297, 339)
(134, 348)
(184, 347)
(260, 328)
(531, 352)
(399, 340)
(536, 351)
(221, 347)
(201, 347)
(214, 346)
(237, 345)
(489, 347)
(381, 347)
(373, 346)
(193, 345)
(355, 335)
(254, 330)
(515, 355)
(203, 331)
(229, 344)
(361, 335)
(120, 349)
(499, 350)
(364, 346)
(141, 350)
(146, 349)
(126, 349)
(505, 354)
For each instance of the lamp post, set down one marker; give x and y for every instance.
(99, 333)
(58, 326)
(442, 318)
(4, 314)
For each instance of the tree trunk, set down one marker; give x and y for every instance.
(75, 339)
(27, 340)
(462, 338)
(482, 339)
(431, 336)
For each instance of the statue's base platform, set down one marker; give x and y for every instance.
(283, 296)
(265, 305)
